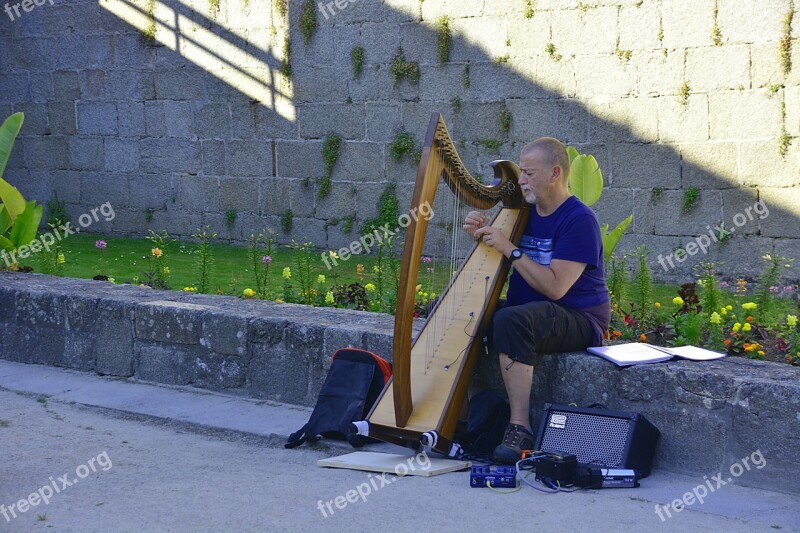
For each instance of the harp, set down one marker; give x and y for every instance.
(421, 403)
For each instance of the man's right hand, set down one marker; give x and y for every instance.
(474, 221)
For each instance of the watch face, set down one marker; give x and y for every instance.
(516, 254)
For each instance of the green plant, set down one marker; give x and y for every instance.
(158, 272)
(282, 7)
(716, 35)
(785, 45)
(502, 59)
(767, 279)
(148, 33)
(286, 221)
(286, 62)
(347, 223)
(683, 94)
(528, 9)
(402, 144)
(785, 139)
(444, 39)
(51, 260)
(148, 214)
(402, 68)
(657, 193)
(205, 258)
(505, 120)
(230, 216)
(308, 20)
(357, 57)
(324, 188)
(213, 7)
(617, 278)
(552, 52)
(586, 182)
(260, 250)
(465, 77)
(456, 104)
(624, 55)
(690, 197)
(330, 151)
(643, 285)
(388, 210)
(491, 145)
(304, 259)
(56, 212)
(19, 219)
(710, 295)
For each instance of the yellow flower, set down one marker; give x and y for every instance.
(190, 289)
(321, 279)
(61, 259)
(737, 327)
(369, 287)
(249, 293)
(279, 301)
(287, 273)
(715, 318)
(433, 295)
(418, 287)
(729, 307)
(156, 252)
(419, 293)
(658, 305)
(333, 254)
(791, 320)
(724, 310)
(165, 271)
(677, 300)
(329, 298)
(749, 305)
(376, 269)
(767, 257)
(761, 353)
(747, 327)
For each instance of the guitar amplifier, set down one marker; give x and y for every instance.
(599, 437)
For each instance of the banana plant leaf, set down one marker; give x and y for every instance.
(611, 239)
(12, 199)
(6, 245)
(8, 133)
(586, 179)
(5, 220)
(26, 225)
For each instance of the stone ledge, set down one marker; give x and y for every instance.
(710, 414)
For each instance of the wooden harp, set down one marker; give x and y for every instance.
(420, 404)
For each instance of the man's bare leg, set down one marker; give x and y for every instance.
(518, 379)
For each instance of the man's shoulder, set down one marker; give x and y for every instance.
(576, 209)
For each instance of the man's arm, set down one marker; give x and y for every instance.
(552, 281)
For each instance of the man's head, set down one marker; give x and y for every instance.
(544, 165)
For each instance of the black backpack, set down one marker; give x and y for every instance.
(487, 420)
(355, 380)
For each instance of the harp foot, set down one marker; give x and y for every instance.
(359, 428)
(432, 441)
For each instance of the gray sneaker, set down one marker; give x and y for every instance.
(516, 439)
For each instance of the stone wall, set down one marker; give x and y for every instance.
(199, 124)
(710, 414)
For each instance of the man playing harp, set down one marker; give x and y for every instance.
(557, 298)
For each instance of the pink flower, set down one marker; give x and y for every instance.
(426, 259)
(430, 270)
(100, 245)
(267, 259)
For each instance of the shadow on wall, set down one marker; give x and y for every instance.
(201, 122)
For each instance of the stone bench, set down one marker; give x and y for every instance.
(711, 414)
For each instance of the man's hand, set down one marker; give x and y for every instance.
(475, 220)
(493, 237)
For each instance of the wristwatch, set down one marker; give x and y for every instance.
(515, 254)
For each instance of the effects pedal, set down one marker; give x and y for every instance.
(499, 477)
(558, 468)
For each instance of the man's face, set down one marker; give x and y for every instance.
(534, 175)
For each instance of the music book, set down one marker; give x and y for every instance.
(640, 353)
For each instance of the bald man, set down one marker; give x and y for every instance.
(557, 299)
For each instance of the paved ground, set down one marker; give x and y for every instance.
(149, 458)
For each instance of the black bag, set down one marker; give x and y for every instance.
(487, 420)
(355, 380)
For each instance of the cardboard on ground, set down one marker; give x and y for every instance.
(388, 462)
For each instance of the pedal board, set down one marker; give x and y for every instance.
(499, 477)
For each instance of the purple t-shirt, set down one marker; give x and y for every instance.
(571, 233)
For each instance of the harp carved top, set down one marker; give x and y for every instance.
(465, 185)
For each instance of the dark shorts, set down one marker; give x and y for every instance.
(523, 331)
